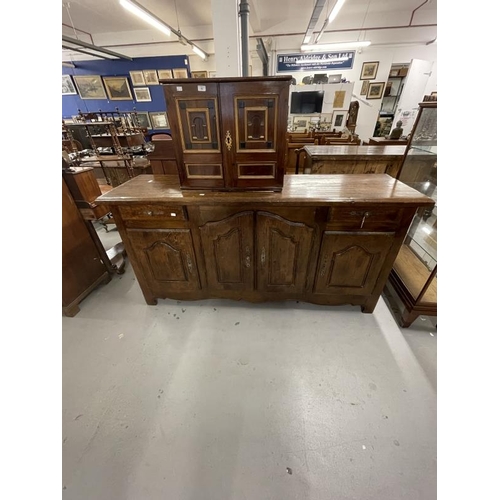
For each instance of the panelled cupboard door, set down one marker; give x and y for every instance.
(228, 249)
(283, 251)
(349, 263)
(193, 111)
(254, 117)
(166, 258)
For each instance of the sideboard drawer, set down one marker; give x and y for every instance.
(153, 212)
(367, 218)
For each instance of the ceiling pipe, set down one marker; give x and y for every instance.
(81, 31)
(86, 45)
(87, 53)
(244, 13)
(415, 10)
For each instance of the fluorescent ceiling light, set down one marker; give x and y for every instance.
(307, 39)
(335, 10)
(199, 52)
(145, 15)
(333, 46)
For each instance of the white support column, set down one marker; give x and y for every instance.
(227, 37)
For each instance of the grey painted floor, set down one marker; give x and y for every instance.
(220, 400)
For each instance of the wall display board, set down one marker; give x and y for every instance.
(121, 77)
(314, 62)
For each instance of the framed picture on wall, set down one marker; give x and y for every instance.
(301, 123)
(369, 70)
(117, 88)
(90, 86)
(339, 118)
(151, 77)
(375, 90)
(68, 86)
(159, 119)
(142, 94)
(137, 78)
(164, 74)
(180, 73)
(199, 74)
(142, 118)
(364, 87)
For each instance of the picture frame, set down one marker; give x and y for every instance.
(68, 87)
(180, 73)
(212, 74)
(142, 117)
(364, 87)
(117, 88)
(90, 86)
(375, 90)
(165, 74)
(199, 74)
(301, 123)
(137, 78)
(142, 94)
(150, 77)
(369, 70)
(159, 120)
(339, 120)
(394, 72)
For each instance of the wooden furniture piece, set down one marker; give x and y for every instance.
(292, 156)
(162, 159)
(82, 267)
(117, 143)
(84, 189)
(325, 239)
(382, 141)
(352, 116)
(353, 159)
(414, 274)
(229, 133)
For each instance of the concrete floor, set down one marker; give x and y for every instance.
(219, 400)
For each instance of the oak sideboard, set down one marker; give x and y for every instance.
(324, 239)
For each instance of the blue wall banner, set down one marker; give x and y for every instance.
(315, 61)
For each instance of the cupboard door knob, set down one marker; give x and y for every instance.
(247, 258)
(365, 215)
(229, 140)
(263, 255)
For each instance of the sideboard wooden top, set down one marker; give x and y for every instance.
(297, 190)
(351, 152)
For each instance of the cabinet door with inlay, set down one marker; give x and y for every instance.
(349, 263)
(283, 251)
(253, 129)
(166, 259)
(229, 252)
(193, 112)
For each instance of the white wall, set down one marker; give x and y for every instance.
(369, 108)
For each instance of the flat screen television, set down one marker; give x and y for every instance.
(304, 103)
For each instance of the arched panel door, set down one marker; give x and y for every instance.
(349, 263)
(283, 250)
(229, 252)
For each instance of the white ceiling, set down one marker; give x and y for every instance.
(106, 23)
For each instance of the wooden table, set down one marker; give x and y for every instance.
(382, 141)
(325, 239)
(353, 159)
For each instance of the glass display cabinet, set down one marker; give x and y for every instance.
(414, 273)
